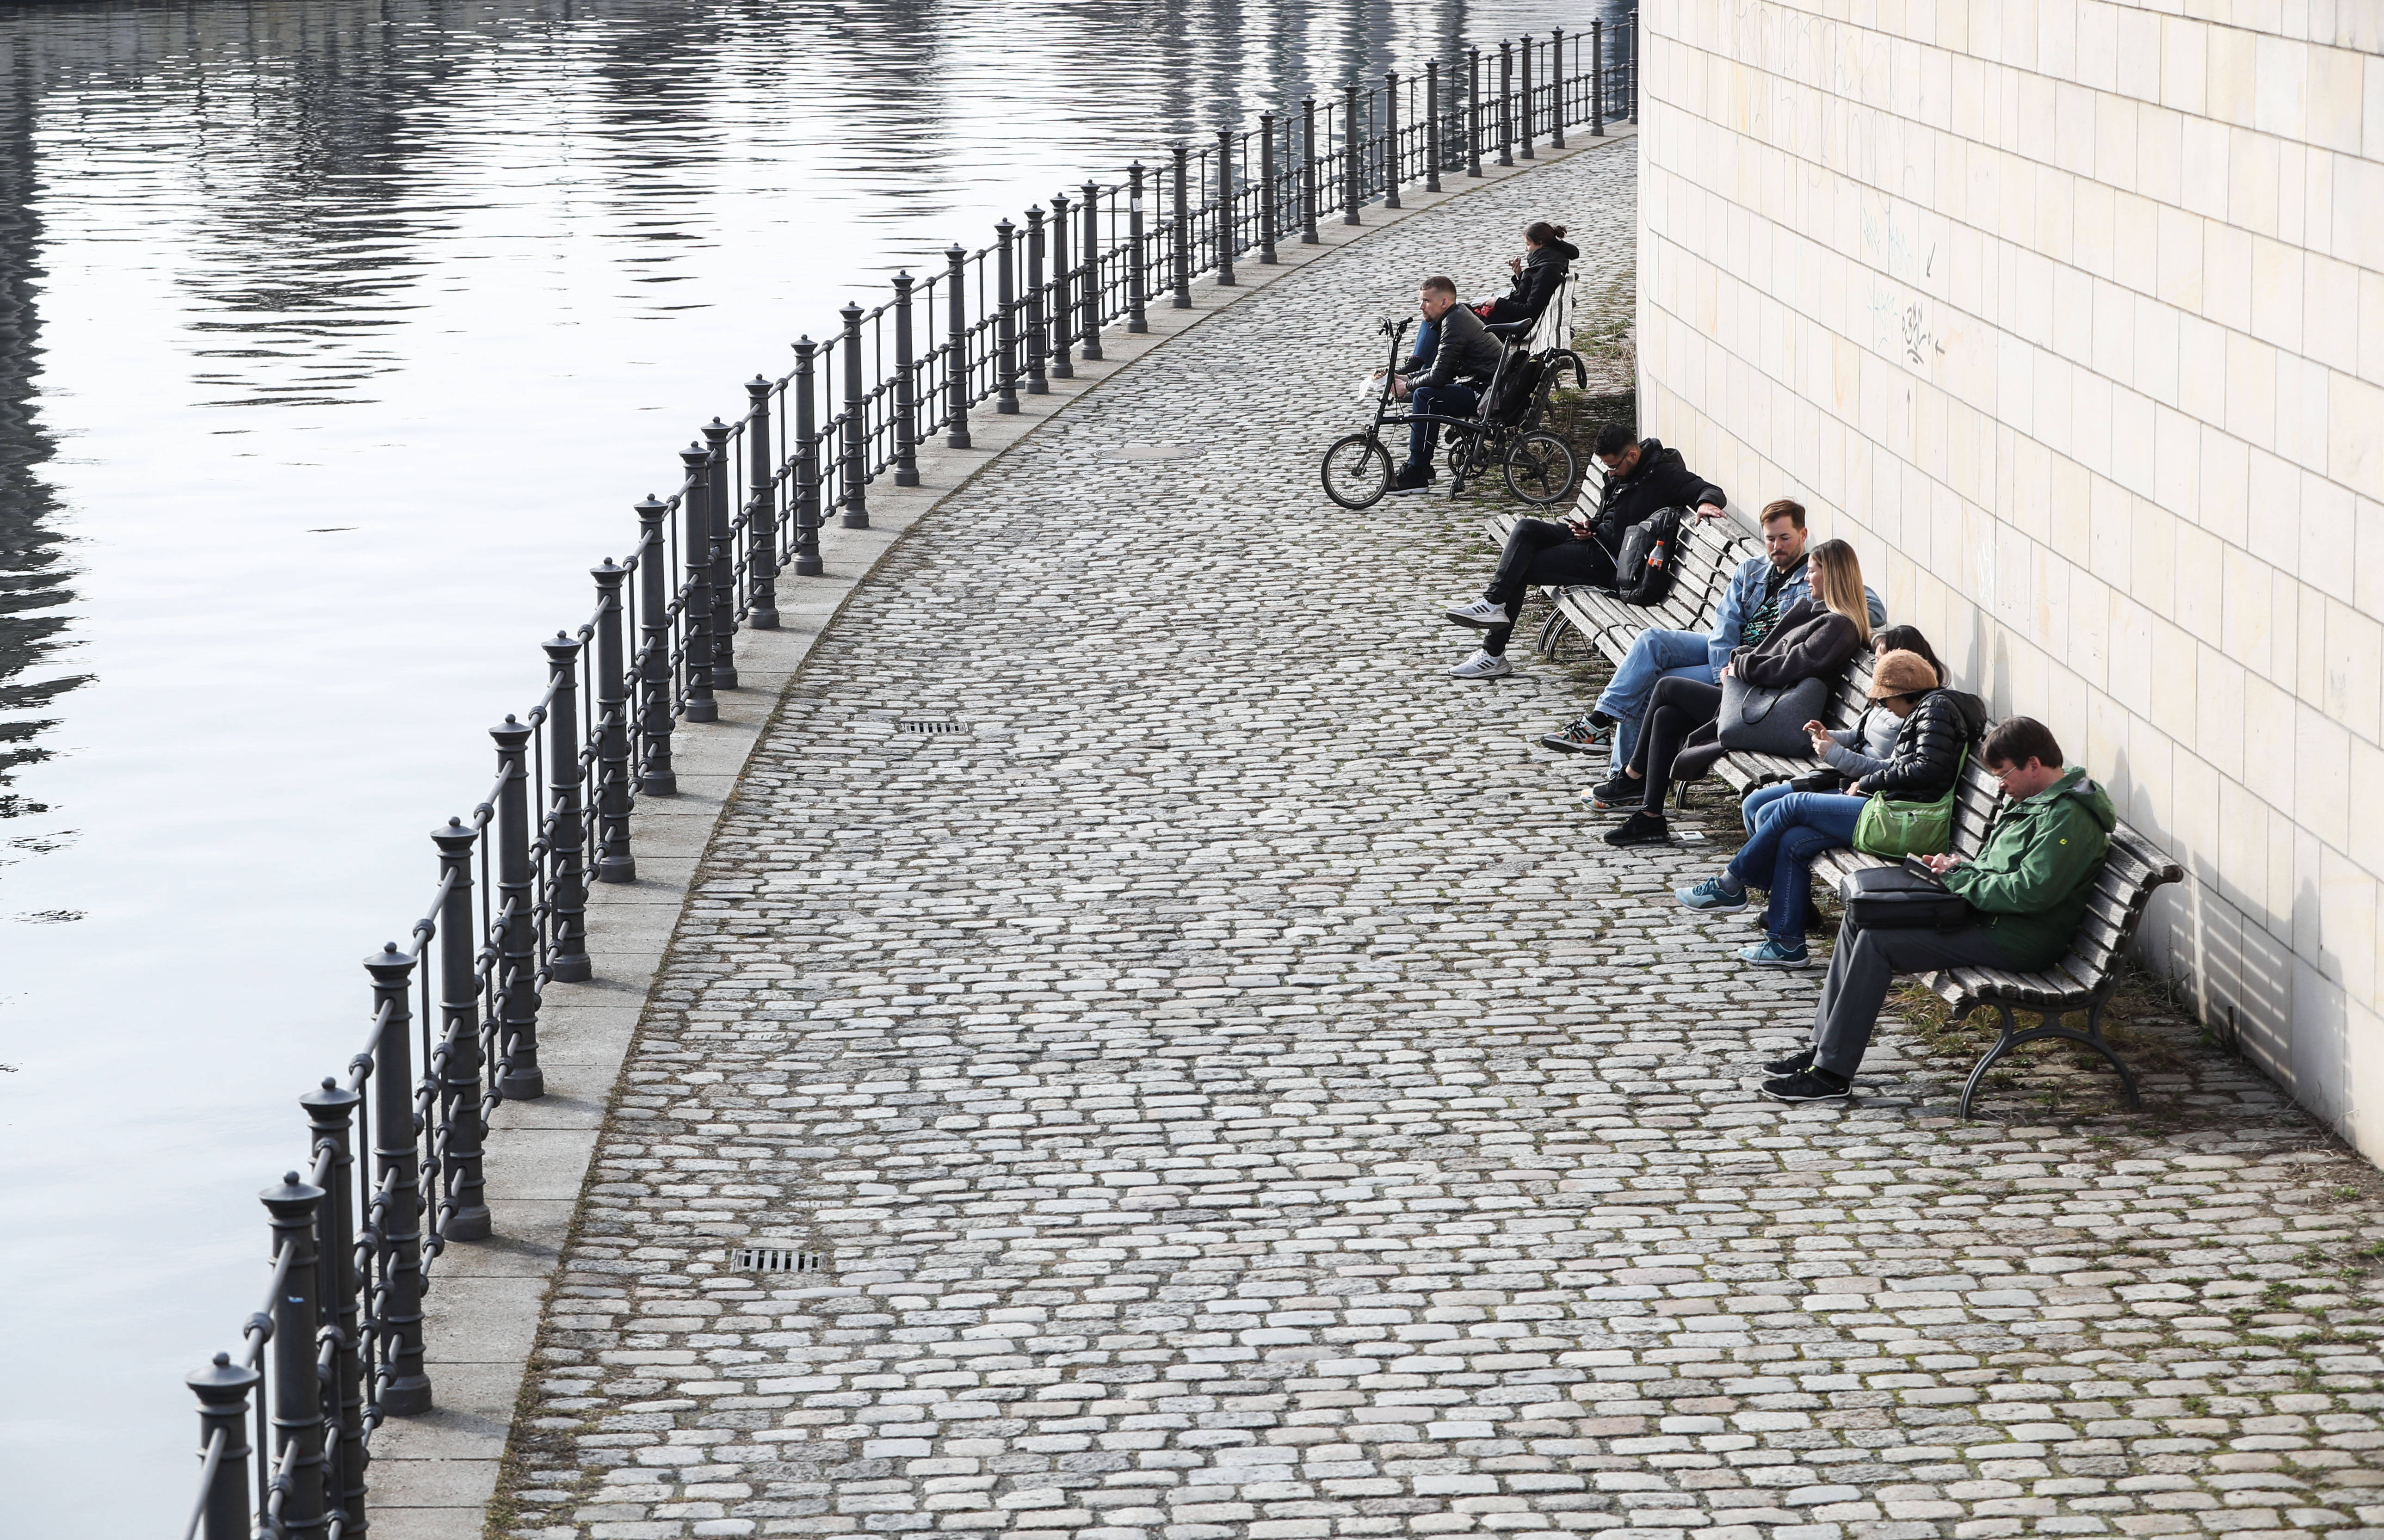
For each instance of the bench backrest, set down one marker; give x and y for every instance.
(2132, 871)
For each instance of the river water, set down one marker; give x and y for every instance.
(336, 339)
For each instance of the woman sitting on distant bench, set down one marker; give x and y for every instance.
(1539, 272)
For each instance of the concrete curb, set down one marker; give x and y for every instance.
(433, 1476)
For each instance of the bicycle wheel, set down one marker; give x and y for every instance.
(1357, 471)
(1541, 468)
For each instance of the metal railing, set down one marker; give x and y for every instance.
(393, 1174)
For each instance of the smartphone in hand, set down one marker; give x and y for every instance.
(1919, 867)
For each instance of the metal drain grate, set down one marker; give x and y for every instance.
(926, 725)
(776, 1259)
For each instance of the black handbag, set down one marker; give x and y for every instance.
(1901, 898)
(1769, 719)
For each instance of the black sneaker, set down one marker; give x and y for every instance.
(1796, 1063)
(1808, 1085)
(1581, 736)
(1615, 791)
(1412, 478)
(1641, 828)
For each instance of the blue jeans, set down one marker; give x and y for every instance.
(1656, 654)
(1448, 401)
(1427, 341)
(1759, 799)
(1789, 832)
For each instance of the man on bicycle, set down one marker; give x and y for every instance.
(1448, 384)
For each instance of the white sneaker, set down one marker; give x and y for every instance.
(1481, 613)
(1481, 666)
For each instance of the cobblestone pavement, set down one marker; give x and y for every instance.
(1239, 1096)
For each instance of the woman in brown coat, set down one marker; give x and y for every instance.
(1816, 638)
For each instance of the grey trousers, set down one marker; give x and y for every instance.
(1860, 969)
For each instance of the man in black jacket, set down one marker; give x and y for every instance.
(1641, 477)
(1448, 384)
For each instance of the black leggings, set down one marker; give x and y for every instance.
(1543, 553)
(1676, 709)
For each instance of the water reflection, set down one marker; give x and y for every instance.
(336, 338)
(34, 590)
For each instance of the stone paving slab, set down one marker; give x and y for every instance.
(1236, 1094)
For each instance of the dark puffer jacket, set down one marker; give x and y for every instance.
(1928, 752)
(1812, 642)
(1536, 285)
(1661, 479)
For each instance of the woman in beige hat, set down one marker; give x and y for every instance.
(1790, 831)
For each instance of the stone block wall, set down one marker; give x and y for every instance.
(2070, 315)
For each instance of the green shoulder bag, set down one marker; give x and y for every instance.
(1895, 829)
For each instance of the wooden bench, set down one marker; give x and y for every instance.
(2084, 977)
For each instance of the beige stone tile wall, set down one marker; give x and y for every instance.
(2071, 314)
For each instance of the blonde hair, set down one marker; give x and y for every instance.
(1838, 582)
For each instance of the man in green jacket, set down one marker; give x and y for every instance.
(2029, 886)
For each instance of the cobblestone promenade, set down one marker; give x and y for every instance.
(1240, 1096)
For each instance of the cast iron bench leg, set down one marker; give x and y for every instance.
(2091, 1038)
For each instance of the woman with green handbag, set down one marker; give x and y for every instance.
(1921, 768)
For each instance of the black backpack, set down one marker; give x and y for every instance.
(1519, 389)
(1649, 560)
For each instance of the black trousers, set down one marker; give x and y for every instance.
(1544, 553)
(1865, 962)
(1677, 710)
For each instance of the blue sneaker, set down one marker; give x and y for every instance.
(1710, 896)
(1771, 954)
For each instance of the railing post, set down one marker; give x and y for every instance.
(1506, 103)
(856, 426)
(405, 1390)
(1557, 87)
(718, 502)
(1268, 208)
(1523, 100)
(1036, 384)
(1473, 112)
(1630, 64)
(567, 953)
(1307, 192)
(329, 1113)
(1179, 242)
(223, 1388)
(460, 1067)
(1226, 208)
(1597, 80)
(1431, 146)
(297, 1387)
(762, 511)
(695, 617)
(1137, 275)
(1353, 173)
(956, 343)
(1005, 319)
(1089, 329)
(614, 862)
(519, 1076)
(1063, 305)
(1391, 167)
(906, 388)
(807, 459)
(655, 718)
